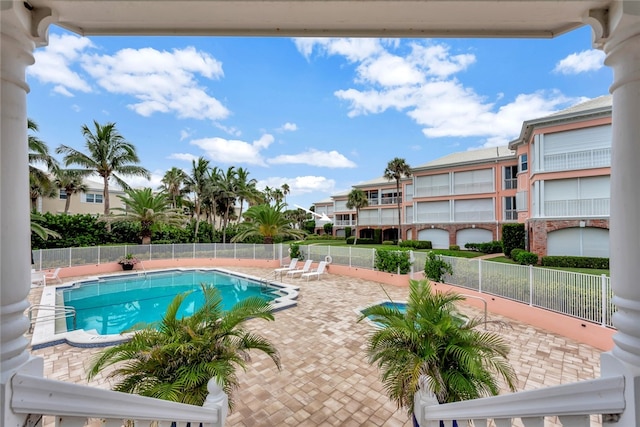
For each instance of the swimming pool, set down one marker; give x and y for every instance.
(106, 306)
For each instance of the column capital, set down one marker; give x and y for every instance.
(615, 24)
(20, 17)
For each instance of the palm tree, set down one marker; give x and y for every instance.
(246, 189)
(285, 190)
(432, 343)
(71, 182)
(39, 230)
(266, 221)
(108, 154)
(228, 192)
(396, 169)
(149, 209)
(40, 184)
(357, 199)
(40, 187)
(173, 183)
(175, 359)
(196, 184)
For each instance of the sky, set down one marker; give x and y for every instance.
(319, 114)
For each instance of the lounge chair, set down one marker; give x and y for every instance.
(317, 272)
(305, 269)
(38, 279)
(292, 266)
(54, 275)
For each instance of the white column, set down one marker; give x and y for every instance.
(619, 33)
(16, 47)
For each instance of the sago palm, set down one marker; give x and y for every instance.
(175, 360)
(432, 342)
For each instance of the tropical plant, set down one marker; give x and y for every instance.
(433, 344)
(148, 209)
(110, 155)
(228, 190)
(266, 221)
(128, 259)
(196, 184)
(40, 230)
(71, 181)
(247, 190)
(357, 199)
(285, 190)
(435, 267)
(173, 182)
(396, 170)
(175, 359)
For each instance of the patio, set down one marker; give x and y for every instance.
(325, 378)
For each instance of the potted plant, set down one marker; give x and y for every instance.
(433, 343)
(128, 261)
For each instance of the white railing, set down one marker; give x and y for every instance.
(578, 160)
(584, 296)
(577, 207)
(73, 405)
(580, 404)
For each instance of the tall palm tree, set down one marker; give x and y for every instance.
(173, 182)
(39, 187)
(149, 209)
(228, 183)
(433, 344)
(396, 170)
(196, 184)
(266, 221)
(278, 195)
(285, 190)
(40, 184)
(109, 155)
(246, 189)
(357, 199)
(71, 181)
(175, 359)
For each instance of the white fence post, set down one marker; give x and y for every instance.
(235, 255)
(70, 259)
(40, 260)
(99, 254)
(531, 285)
(373, 259)
(349, 257)
(173, 251)
(603, 282)
(254, 251)
(194, 251)
(480, 276)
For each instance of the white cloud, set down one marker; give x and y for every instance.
(289, 127)
(161, 81)
(354, 49)
(300, 184)
(187, 157)
(185, 133)
(53, 64)
(582, 62)
(328, 159)
(235, 151)
(141, 182)
(231, 130)
(422, 83)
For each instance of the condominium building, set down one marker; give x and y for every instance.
(554, 178)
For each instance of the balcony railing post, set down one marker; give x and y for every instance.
(217, 399)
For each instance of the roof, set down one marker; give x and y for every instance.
(377, 181)
(601, 106)
(470, 157)
(357, 18)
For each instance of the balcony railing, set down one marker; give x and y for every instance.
(578, 160)
(344, 222)
(577, 207)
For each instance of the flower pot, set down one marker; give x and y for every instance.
(126, 267)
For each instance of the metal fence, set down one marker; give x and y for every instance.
(583, 296)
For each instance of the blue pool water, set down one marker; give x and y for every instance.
(115, 304)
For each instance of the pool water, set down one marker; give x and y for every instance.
(115, 304)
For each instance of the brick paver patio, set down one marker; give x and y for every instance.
(325, 378)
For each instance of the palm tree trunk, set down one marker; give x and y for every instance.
(399, 211)
(67, 203)
(105, 200)
(355, 241)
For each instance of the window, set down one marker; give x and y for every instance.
(510, 177)
(63, 194)
(524, 163)
(92, 198)
(510, 211)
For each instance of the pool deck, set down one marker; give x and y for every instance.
(326, 379)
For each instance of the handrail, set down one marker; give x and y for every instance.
(598, 396)
(36, 395)
(59, 312)
(484, 302)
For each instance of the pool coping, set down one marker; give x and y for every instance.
(44, 331)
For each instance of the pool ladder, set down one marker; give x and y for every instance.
(58, 312)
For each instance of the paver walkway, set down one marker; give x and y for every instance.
(325, 378)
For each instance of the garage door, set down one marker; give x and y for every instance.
(473, 235)
(578, 241)
(439, 238)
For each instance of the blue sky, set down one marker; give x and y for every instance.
(317, 114)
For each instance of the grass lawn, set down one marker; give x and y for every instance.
(596, 271)
(447, 252)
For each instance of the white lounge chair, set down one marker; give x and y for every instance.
(292, 266)
(305, 269)
(53, 275)
(317, 272)
(38, 279)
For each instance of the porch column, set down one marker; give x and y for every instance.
(618, 31)
(17, 42)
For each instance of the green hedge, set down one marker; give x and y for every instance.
(512, 237)
(416, 244)
(494, 247)
(360, 241)
(392, 261)
(526, 258)
(575, 262)
(435, 267)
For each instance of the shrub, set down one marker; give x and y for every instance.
(295, 252)
(416, 244)
(514, 253)
(347, 232)
(494, 247)
(309, 226)
(388, 242)
(392, 261)
(435, 267)
(527, 258)
(328, 228)
(350, 240)
(513, 236)
(575, 262)
(377, 236)
(454, 247)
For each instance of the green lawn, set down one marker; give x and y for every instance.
(506, 260)
(447, 252)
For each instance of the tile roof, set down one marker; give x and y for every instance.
(470, 156)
